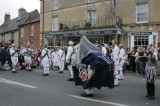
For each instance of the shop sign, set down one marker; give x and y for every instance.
(90, 33)
(49, 36)
(141, 33)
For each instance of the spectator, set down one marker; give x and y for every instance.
(150, 78)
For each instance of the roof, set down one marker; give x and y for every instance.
(35, 16)
(13, 24)
(9, 26)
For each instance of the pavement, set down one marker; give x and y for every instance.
(32, 89)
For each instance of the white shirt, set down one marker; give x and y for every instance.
(12, 52)
(104, 50)
(44, 51)
(61, 54)
(24, 51)
(69, 53)
(122, 54)
(115, 53)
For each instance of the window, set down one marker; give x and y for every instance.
(22, 32)
(90, 1)
(142, 13)
(141, 41)
(12, 35)
(55, 25)
(3, 38)
(50, 42)
(32, 30)
(154, 41)
(92, 17)
(55, 4)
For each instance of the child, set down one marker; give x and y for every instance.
(6, 66)
(150, 78)
(29, 61)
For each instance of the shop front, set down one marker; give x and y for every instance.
(142, 38)
(94, 35)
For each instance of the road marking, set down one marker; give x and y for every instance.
(16, 83)
(99, 101)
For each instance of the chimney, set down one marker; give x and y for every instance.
(7, 17)
(21, 12)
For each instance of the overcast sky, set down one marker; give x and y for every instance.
(12, 7)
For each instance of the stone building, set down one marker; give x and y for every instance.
(9, 30)
(133, 22)
(62, 20)
(141, 21)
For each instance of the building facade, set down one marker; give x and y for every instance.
(141, 21)
(63, 20)
(133, 22)
(9, 31)
(29, 29)
(22, 30)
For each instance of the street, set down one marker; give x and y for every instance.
(31, 89)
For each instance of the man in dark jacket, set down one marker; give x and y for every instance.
(6, 55)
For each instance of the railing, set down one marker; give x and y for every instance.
(105, 22)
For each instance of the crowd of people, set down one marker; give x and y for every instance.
(26, 58)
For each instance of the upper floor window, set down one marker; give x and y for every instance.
(22, 32)
(142, 14)
(12, 35)
(3, 38)
(92, 17)
(90, 1)
(32, 30)
(55, 4)
(55, 25)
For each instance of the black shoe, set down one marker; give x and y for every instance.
(30, 70)
(60, 72)
(45, 75)
(87, 95)
(70, 79)
(14, 72)
(152, 98)
(147, 96)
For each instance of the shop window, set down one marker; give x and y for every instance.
(141, 41)
(94, 40)
(50, 42)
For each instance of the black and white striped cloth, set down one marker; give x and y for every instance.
(151, 73)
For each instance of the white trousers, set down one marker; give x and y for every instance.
(120, 68)
(70, 71)
(14, 61)
(61, 65)
(45, 63)
(89, 90)
(116, 76)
